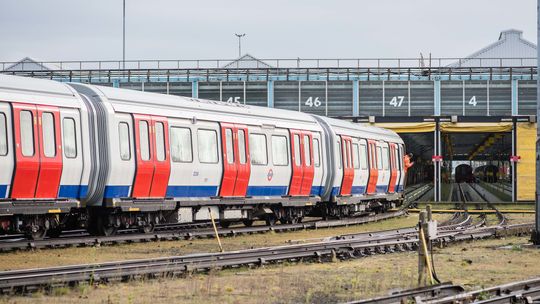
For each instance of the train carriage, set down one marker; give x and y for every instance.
(135, 159)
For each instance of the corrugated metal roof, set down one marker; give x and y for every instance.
(510, 48)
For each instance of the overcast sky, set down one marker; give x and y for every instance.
(168, 29)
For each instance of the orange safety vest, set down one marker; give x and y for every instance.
(407, 162)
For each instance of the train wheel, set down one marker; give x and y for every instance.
(271, 220)
(248, 223)
(37, 233)
(54, 232)
(104, 228)
(224, 224)
(148, 228)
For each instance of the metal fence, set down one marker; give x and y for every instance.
(269, 63)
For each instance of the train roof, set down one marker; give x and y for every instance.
(37, 91)
(382, 133)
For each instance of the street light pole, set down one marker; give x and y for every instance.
(124, 34)
(239, 43)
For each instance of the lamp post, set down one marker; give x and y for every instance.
(240, 43)
(124, 34)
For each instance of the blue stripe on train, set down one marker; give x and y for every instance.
(358, 190)
(336, 191)
(191, 191)
(316, 190)
(266, 190)
(72, 191)
(382, 188)
(3, 190)
(116, 191)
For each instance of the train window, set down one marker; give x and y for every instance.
(297, 159)
(144, 140)
(257, 149)
(340, 156)
(208, 147)
(27, 133)
(280, 156)
(70, 138)
(181, 150)
(385, 158)
(3, 135)
(356, 156)
(316, 153)
(363, 156)
(47, 132)
(124, 141)
(379, 158)
(242, 146)
(160, 142)
(307, 150)
(229, 145)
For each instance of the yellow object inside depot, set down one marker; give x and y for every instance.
(526, 134)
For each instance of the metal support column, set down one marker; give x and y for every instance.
(437, 163)
(437, 96)
(355, 98)
(195, 89)
(270, 94)
(514, 97)
(536, 232)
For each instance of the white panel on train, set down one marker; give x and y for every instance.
(122, 156)
(72, 156)
(7, 162)
(195, 168)
(361, 171)
(318, 158)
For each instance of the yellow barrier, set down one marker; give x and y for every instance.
(526, 167)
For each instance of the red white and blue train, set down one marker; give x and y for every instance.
(77, 155)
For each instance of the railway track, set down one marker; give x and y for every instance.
(183, 234)
(29, 280)
(79, 238)
(527, 291)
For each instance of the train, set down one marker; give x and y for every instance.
(487, 173)
(75, 155)
(464, 174)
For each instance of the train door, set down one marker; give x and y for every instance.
(37, 141)
(348, 170)
(162, 162)
(403, 175)
(7, 160)
(307, 162)
(50, 152)
(360, 164)
(143, 155)
(303, 170)
(373, 170)
(296, 163)
(393, 168)
(236, 160)
(72, 156)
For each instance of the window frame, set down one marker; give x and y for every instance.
(123, 123)
(199, 150)
(316, 153)
(5, 134)
(32, 139)
(286, 150)
(366, 158)
(74, 137)
(242, 151)
(147, 141)
(265, 148)
(190, 136)
(162, 141)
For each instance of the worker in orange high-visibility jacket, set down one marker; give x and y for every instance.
(407, 161)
